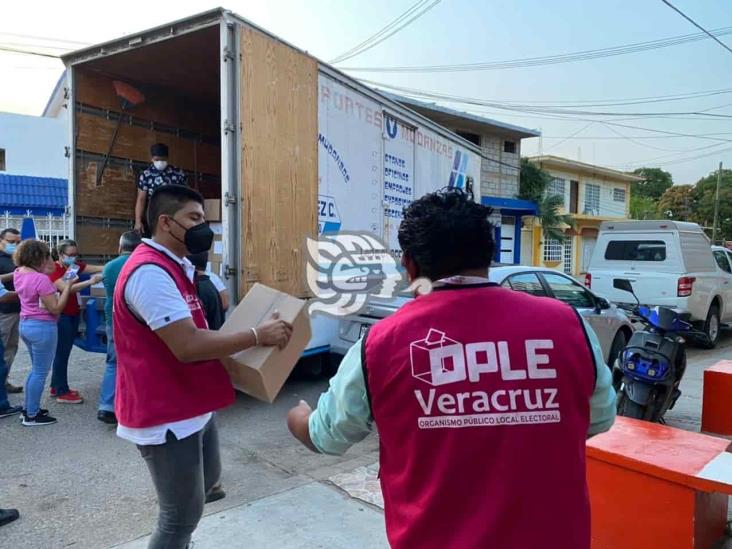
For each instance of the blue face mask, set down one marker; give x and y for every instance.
(69, 261)
(10, 248)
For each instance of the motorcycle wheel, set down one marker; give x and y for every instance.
(628, 408)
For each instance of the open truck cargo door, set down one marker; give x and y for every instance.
(181, 109)
(279, 162)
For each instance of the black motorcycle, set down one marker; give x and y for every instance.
(652, 364)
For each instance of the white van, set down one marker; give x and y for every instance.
(670, 263)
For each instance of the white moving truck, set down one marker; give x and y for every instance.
(290, 146)
(669, 263)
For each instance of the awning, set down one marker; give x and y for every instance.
(21, 194)
(510, 206)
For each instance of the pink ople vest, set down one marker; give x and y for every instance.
(154, 387)
(481, 397)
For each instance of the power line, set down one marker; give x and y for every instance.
(619, 134)
(697, 25)
(557, 110)
(382, 35)
(621, 102)
(630, 136)
(28, 52)
(410, 92)
(672, 162)
(583, 128)
(27, 45)
(379, 33)
(45, 38)
(582, 55)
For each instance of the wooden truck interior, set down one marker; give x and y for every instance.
(181, 83)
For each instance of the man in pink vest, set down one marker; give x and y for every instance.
(483, 398)
(169, 378)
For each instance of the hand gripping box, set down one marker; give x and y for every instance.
(262, 371)
(437, 359)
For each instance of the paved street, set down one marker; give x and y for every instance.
(77, 485)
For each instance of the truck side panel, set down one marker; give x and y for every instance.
(373, 162)
(350, 162)
(279, 166)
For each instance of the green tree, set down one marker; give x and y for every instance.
(643, 207)
(655, 182)
(703, 197)
(533, 182)
(677, 203)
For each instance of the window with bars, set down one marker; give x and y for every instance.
(618, 195)
(556, 186)
(592, 199)
(552, 250)
(568, 256)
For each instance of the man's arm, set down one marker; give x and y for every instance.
(154, 297)
(343, 416)
(602, 402)
(7, 296)
(140, 209)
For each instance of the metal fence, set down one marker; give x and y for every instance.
(49, 228)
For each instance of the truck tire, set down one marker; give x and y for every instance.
(711, 327)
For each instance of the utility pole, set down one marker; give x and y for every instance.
(716, 205)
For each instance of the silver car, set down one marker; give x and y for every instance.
(612, 326)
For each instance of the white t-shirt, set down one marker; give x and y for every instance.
(217, 282)
(153, 296)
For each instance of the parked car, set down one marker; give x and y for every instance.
(669, 263)
(612, 326)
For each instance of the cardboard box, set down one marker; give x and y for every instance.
(212, 209)
(262, 371)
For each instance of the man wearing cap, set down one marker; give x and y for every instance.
(157, 174)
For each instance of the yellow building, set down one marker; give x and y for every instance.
(592, 194)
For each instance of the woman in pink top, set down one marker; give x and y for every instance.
(40, 305)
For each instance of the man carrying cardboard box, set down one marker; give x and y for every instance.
(483, 398)
(169, 378)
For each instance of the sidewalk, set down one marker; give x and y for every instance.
(313, 515)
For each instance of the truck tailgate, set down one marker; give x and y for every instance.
(652, 288)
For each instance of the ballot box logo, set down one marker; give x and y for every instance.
(344, 270)
(437, 359)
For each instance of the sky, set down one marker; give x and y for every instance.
(459, 32)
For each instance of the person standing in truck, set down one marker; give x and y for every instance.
(483, 398)
(157, 174)
(170, 380)
(9, 312)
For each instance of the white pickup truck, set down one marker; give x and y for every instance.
(669, 263)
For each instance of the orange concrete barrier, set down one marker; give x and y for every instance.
(653, 486)
(717, 399)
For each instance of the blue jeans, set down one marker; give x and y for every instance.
(68, 328)
(106, 394)
(40, 336)
(4, 404)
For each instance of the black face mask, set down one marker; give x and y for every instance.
(197, 239)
